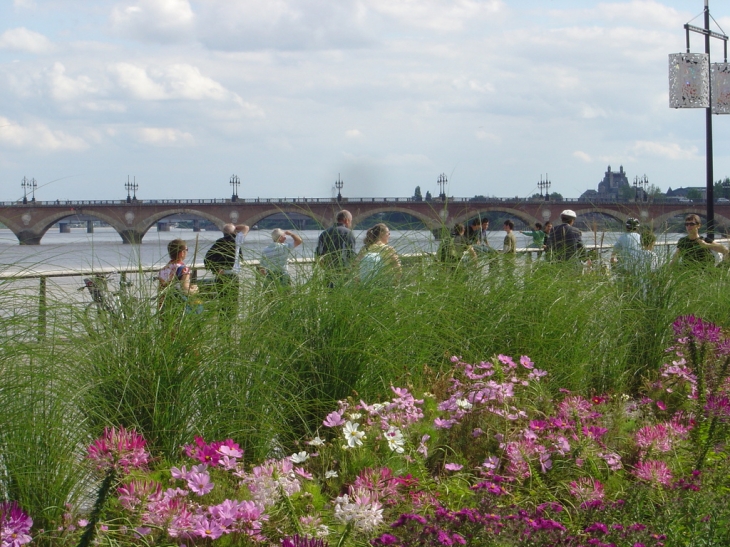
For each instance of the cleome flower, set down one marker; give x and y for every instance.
(14, 525)
(118, 450)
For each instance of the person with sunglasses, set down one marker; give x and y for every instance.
(695, 250)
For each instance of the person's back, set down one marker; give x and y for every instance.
(628, 252)
(565, 241)
(336, 245)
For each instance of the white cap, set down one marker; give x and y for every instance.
(568, 213)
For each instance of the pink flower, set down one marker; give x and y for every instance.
(200, 483)
(118, 449)
(333, 419)
(587, 490)
(453, 467)
(14, 525)
(655, 472)
(526, 362)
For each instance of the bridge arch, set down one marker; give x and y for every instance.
(430, 221)
(33, 233)
(259, 216)
(662, 220)
(524, 216)
(142, 226)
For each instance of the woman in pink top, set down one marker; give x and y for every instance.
(175, 276)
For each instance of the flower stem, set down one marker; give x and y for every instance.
(90, 530)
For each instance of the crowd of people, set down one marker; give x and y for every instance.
(377, 263)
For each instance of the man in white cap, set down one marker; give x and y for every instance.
(565, 241)
(275, 257)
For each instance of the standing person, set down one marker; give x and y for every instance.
(626, 254)
(474, 231)
(220, 261)
(482, 245)
(336, 248)
(275, 258)
(241, 232)
(565, 241)
(509, 245)
(692, 249)
(378, 259)
(174, 279)
(538, 239)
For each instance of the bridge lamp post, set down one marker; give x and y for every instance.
(442, 180)
(25, 184)
(640, 185)
(33, 186)
(339, 183)
(131, 186)
(694, 82)
(235, 181)
(545, 185)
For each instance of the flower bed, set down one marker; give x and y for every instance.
(487, 458)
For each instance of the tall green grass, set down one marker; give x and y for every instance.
(269, 378)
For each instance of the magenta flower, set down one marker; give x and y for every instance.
(208, 529)
(119, 449)
(303, 541)
(697, 328)
(14, 525)
(453, 467)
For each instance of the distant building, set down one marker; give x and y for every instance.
(612, 183)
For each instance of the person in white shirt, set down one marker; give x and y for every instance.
(275, 258)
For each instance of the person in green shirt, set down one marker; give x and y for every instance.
(538, 236)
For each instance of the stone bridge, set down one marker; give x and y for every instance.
(30, 221)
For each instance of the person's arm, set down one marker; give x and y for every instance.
(187, 287)
(717, 247)
(295, 237)
(675, 257)
(242, 229)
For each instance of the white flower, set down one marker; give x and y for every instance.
(395, 439)
(299, 457)
(316, 441)
(355, 416)
(331, 475)
(352, 435)
(464, 404)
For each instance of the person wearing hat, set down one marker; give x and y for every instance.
(627, 251)
(275, 257)
(565, 241)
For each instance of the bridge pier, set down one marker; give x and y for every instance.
(163, 226)
(27, 237)
(132, 237)
(196, 225)
(64, 228)
(89, 226)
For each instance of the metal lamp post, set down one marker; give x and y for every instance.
(26, 185)
(442, 180)
(545, 185)
(339, 184)
(696, 83)
(33, 186)
(234, 182)
(131, 187)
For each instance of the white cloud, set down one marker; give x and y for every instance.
(582, 156)
(485, 136)
(353, 134)
(165, 136)
(37, 136)
(64, 88)
(440, 15)
(672, 151)
(155, 20)
(22, 39)
(590, 112)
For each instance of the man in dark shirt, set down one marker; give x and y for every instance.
(220, 260)
(336, 248)
(565, 242)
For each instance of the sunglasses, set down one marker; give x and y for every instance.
(691, 223)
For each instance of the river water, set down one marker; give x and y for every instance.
(80, 250)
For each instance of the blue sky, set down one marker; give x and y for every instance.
(389, 94)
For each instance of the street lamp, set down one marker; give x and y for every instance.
(442, 180)
(640, 185)
(696, 83)
(27, 185)
(131, 186)
(545, 184)
(235, 181)
(339, 183)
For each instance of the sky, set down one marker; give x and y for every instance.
(289, 95)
